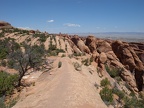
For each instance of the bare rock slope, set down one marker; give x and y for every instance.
(64, 87)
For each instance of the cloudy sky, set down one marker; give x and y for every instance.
(75, 16)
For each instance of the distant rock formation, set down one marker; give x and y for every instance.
(4, 24)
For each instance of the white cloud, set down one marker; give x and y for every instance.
(25, 28)
(98, 27)
(50, 21)
(71, 25)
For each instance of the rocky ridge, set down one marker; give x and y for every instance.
(128, 57)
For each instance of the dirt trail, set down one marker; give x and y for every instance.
(64, 88)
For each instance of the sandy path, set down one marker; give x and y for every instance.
(65, 88)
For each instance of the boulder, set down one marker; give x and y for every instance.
(103, 46)
(91, 43)
(102, 58)
(95, 56)
(111, 56)
(83, 47)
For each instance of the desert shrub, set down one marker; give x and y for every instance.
(133, 102)
(91, 59)
(132, 94)
(59, 42)
(28, 40)
(66, 47)
(2, 104)
(1, 35)
(42, 38)
(3, 63)
(64, 39)
(53, 51)
(10, 63)
(3, 52)
(106, 95)
(16, 30)
(105, 82)
(77, 54)
(24, 32)
(63, 55)
(7, 83)
(127, 86)
(54, 38)
(52, 47)
(77, 66)
(86, 62)
(6, 46)
(119, 93)
(59, 64)
(10, 104)
(36, 35)
(113, 72)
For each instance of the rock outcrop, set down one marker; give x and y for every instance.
(80, 44)
(4, 24)
(103, 46)
(128, 57)
(91, 43)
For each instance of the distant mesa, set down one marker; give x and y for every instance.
(4, 24)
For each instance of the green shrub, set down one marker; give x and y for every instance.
(28, 40)
(86, 62)
(91, 59)
(105, 82)
(6, 46)
(2, 104)
(113, 72)
(133, 102)
(59, 64)
(53, 51)
(77, 66)
(10, 104)
(66, 47)
(106, 95)
(119, 93)
(77, 54)
(42, 38)
(7, 83)
(63, 55)
(10, 63)
(1, 35)
(3, 52)
(3, 63)
(16, 30)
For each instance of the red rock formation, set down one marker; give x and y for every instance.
(139, 49)
(91, 43)
(127, 56)
(103, 46)
(80, 44)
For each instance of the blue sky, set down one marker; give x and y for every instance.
(75, 16)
